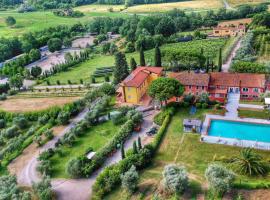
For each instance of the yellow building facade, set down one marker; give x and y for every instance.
(133, 89)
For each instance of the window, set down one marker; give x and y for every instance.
(245, 89)
(177, 99)
(198, 87)
(244, 96)
(255, 90)
(202, 87)
(189, 87)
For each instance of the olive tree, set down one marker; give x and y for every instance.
(43, 189)
(175, 178)
(130, 179)
(219, 178)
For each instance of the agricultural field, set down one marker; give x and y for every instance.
(36, 21)
(263, 50)
(86, 69)
(187, 150)
(24, 104)
(235, 3)
(196, 5)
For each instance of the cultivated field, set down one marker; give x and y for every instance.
(34, 104)
(196, 5)
(36, 21)
(234, 3)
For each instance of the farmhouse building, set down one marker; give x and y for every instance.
(231, 28)
(133, 88)
(218, 84)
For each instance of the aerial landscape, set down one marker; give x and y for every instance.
(134, 99)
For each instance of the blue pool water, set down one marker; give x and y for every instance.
(240, 130)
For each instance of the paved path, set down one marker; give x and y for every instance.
(252, 106)
(232, 105)
(226, 66)
(80, 189)
(227, 5)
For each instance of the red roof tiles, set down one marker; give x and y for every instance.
(191, 78)
(139, 75)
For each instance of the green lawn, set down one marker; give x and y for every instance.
(84, 70)
(96, 137)
(36, 21)
(191, 153)
(252, 102)
(257, 114)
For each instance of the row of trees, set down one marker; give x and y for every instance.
(10, 47)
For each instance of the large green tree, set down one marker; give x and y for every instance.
(121, 68)
(16, 81)
(163, 89)
(55, 44)
(157, 57)
(36, 71)
(34, 55)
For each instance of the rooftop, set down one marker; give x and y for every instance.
(139, 75)
(191, 78)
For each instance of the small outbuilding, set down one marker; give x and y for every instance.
(192, 125)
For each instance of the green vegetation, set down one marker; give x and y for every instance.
(37, 21)
(86, 69)
(257, 114)
(187, 150)
(95, 137)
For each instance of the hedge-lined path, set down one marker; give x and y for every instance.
(77, 189)
(81, 189)
(226, 66)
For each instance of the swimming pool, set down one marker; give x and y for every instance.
(239, 130)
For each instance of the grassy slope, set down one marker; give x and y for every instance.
(36, 21)
(84, 70)
(191, 153)
(96, 137)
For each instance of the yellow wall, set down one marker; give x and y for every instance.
(131, 95)
(134, 95)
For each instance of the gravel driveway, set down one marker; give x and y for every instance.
(80, 189)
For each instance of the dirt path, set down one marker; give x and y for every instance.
(66, 189)
(226, 66)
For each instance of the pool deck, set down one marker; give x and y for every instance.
(230, 141)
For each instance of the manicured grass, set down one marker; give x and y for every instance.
(191, 153)
(86, 69)
(96, 137)
(257, 114)
(36, 21)
(252, 102)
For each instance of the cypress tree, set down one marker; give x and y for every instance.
(212, 66)
(121, 67)
(133, 64)
(207, 65)
(220, 60)
(122, 151)
(142, 59)
(135, 148)
(157, 57)
(139, 143)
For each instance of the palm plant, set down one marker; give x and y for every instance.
(249, 163)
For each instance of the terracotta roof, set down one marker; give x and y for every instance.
(237, 79)
(139, 75)
(191, 78)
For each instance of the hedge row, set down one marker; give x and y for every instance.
(110, 178)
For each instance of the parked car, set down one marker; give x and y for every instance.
(152, 131)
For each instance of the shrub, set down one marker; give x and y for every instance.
(107, 89)
(20, 121)
(2, 123)
(219, 178)
(130, 179)
(204, 105)
(10, 190)
(58, 82)
(63, 117)
(3, 97)
(198, 105)
(44, 167)
(43, 189)
(74, 167)
(49, 134)
(175, 178)
(11, 132)
(160, 117)
(217, 106)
